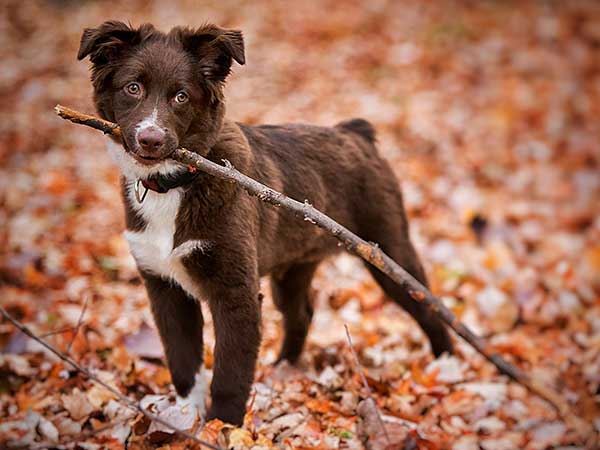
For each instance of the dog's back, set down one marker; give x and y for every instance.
(333, 168)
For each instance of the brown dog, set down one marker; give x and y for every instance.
(196, 237)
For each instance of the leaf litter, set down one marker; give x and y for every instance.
(487, 113)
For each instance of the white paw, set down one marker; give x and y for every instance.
(196, 397)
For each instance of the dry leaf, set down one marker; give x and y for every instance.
(47, 430)
(182, 418)
(77, 404)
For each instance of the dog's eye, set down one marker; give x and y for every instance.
(181, 97)
(133, 89)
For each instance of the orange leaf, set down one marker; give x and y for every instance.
(57, 183)
(320, 406)
(162, 376)
(211, 431)
(34, 277)
(419, 376)
(593, 257)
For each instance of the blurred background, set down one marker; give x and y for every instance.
(489, 114)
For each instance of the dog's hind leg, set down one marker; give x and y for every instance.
(390, 231)
(291, 295)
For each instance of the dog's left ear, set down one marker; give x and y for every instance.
(215, 49)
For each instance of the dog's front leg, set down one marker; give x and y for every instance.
(179, 321)
(236, 317)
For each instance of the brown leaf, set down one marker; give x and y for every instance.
(77, 404)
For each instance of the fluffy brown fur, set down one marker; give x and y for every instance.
(338, 169)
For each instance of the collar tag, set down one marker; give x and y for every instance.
(136, 190)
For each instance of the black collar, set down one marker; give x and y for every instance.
(164, 183)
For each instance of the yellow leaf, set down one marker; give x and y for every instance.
(240, 438)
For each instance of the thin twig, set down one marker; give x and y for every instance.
(79, 322)
(59, 331)
(367, 387)
(122, 398)
(371, 253)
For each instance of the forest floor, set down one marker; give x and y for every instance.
(489, 114)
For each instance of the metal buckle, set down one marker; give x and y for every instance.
(136, 191)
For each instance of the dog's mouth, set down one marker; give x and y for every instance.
(145, 159)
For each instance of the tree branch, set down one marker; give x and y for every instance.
(134, 406)
(366, 385)
(85, 119)
(354, 244)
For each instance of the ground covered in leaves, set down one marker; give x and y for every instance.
(488, 113)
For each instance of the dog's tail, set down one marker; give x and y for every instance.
(360, 127)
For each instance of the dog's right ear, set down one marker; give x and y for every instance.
(108, 41)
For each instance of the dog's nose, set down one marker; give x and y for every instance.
(151, 139)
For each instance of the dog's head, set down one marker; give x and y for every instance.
(163, 90)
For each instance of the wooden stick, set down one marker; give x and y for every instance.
(368, 251)
(134, 406)
(85, 119)
(366, 385)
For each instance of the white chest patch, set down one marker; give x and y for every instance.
(153, 249)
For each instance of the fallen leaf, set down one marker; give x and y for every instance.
(77, 404)
(446, 369)
(182, 418)
(47, 430)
